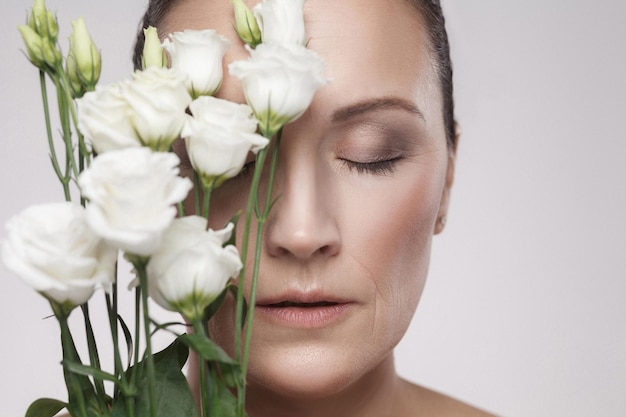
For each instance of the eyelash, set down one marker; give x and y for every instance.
(247, 170)
(382, 167)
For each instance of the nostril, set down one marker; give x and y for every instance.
(328, 250)
(303, 248)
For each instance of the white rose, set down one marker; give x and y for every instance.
(131, 195)
(158, 98)
(104, 119)
(281, 21)
(53, 250)
(279, 82)
(218, 138)
(198, 55)
(191, 268)
(228, 114)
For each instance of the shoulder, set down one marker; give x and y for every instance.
(420, 401)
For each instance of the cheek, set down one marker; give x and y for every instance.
(222, 326)
(226, 201)
(392, 240)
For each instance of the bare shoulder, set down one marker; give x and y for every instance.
(419, 401)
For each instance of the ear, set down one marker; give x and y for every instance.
(442, 214)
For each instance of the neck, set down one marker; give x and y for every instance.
(373, 395)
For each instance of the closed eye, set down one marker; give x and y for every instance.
(383, 167)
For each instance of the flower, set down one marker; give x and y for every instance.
(52, 56)
(218, 138)
(104, 118)
(34, 45)
(227, 114)
(158, 99)
(153, 54)
(76, 84)
(148, 110)
(41, 51)
(198, 55)
(85, 54)
(43, 22)
(279, 82)
(281, 21)
(246, 25)
(131, 194)
(191, 268)
(51, 248)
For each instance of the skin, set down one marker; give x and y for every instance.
(363, 177)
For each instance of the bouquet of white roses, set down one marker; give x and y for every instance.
(124, 194)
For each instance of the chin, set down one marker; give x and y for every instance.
(305, 372)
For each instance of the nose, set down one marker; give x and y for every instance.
(303, 222)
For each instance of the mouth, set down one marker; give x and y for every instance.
(304, 314)
(286, 304)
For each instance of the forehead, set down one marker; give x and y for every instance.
(371, 48)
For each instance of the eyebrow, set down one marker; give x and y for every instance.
(373, 104)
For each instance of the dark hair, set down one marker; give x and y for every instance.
(156, 11)
(440, 48)
(433, 18)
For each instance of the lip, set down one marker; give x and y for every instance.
(303, 310)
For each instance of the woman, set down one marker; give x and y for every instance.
(363, 183)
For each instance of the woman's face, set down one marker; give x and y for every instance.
(363, 177)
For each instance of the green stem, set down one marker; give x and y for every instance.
(204, 388)
(64, 108)
(133, 380)
(69, 97)
(119, 371)
(196, 193)
(206, 204)
(112, 313)
(53, 154)
(75, 391)
(258, 169)
(273, 165)
(241, 398)
(140, 266)
(94, 357)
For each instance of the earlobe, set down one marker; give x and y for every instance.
(442, 215)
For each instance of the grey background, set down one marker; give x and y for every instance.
(524, 311)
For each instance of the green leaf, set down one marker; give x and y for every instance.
(175, 350)
(77, 382)
(127, 337)
(234, 221)
(233, 290)
(173, 396)
(206, 348)
(215, 305)
(45, 407)
(92, 406)
(231, 374)
(85, 370)
(224, 404)
(166, 326)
